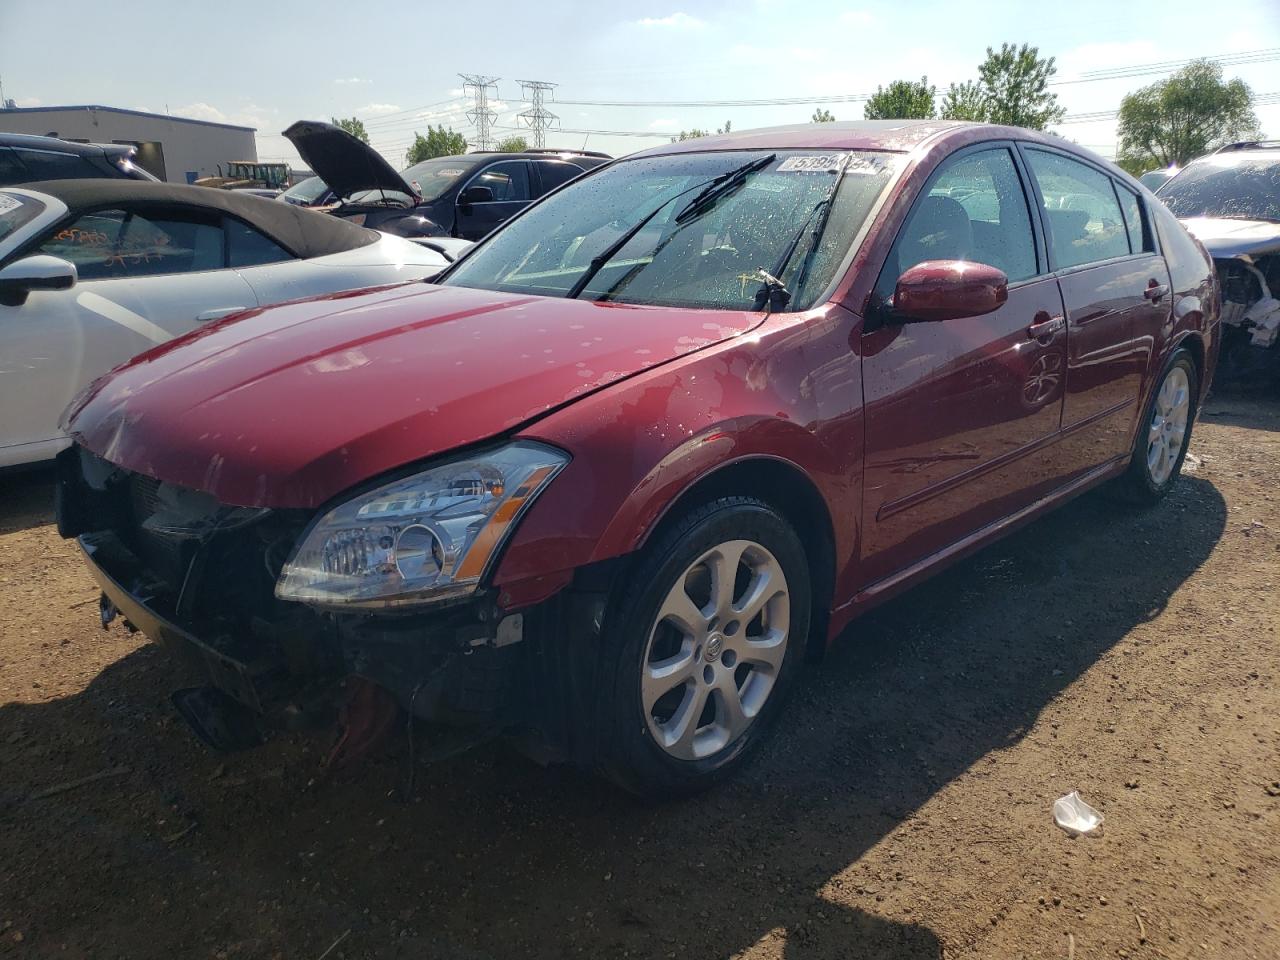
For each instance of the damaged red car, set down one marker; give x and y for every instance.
(605, 483)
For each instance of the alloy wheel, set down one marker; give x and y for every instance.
(1168, 425)
(715, 650)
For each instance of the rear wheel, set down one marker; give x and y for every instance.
(1164, 434)
(704, 641)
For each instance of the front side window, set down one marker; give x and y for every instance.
(1226, 185)
(433, 178)
(1081, 213)
(48, 165)
(773, 217)
(509, 181)
(119, 243)
(975, 209)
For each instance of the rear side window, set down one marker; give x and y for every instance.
(12, 170)
(974, 209)
(47, 165)
(508, 180)
(552, 173)
(1132, 210)
(246, 247)
(118, 243)
(1082, 216)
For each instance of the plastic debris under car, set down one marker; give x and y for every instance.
(1075, 816)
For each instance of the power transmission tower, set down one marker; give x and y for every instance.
(482, 115)
(538, 117)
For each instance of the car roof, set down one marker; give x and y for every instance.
(32, 142)
(304, 233)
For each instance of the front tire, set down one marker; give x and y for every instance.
(703, 641)
(1164, 434)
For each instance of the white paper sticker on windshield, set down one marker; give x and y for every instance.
(816, 163)
(9, 202)
(450, 172)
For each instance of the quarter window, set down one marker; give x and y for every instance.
(1082, 216)
(508, 180)
(975, 209)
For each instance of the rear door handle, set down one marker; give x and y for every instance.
(1043, 329)
(1156, 291)
(218, 312)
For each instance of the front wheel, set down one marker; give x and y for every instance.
(1164, 434)
(702, 643)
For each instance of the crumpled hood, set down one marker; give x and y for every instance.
(342, 161)
(290, 405)
(1226, 237)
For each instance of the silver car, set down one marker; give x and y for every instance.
(93, 272)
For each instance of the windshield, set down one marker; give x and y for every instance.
(432, 178)
(709, 257)
(307, 191)
(15, 211)
(1228, 185)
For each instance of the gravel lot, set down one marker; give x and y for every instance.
(902, 811)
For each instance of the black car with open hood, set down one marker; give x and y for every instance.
(463, 196)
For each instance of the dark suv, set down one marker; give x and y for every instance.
(27, 159)
(461, 196)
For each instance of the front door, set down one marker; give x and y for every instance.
(508, 180)
(127, 300)
(961, 414)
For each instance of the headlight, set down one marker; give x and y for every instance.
(423, 538)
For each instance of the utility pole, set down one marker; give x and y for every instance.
(537, 116)
(482, 115)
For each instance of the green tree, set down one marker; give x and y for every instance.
(699, 132)
(353, 126)
(1012, 88)
(964, 101)
(902, 99)
(822, 115)
(1184, 116)
(512, 145)
(1016, 82)
(439, 142)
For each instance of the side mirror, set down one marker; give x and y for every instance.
(477, 194)
(948, 290)
(39, 272)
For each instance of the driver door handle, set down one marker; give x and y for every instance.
(1155, 291)
(1043, 329)
(217, 313)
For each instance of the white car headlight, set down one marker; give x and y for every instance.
(423, 538)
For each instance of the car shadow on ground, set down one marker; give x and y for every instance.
(497, 858)
(26, 498)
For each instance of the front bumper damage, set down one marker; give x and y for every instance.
(198, 579)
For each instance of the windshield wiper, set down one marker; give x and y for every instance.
(612, 250)
(773, 292)
(722, 186)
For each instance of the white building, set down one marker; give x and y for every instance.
(172, 148)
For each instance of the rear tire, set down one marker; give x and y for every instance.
(703, 640)
(1163, 434)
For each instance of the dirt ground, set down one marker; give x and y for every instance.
(902, 811)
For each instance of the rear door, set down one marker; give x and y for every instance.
(509, 182)
(961, 415)
(1116, 292)
(143, 279)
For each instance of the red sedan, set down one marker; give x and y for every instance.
(617, 472)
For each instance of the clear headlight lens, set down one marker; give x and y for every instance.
(423, 538)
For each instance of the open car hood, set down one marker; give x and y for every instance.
(291, 405)
(1226, 237)
(342, 161)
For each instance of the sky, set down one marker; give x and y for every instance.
(396, 65)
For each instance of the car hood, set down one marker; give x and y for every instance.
(1227, 237)
(345, 163)
(290, 405)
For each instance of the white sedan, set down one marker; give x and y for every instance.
(93, 272)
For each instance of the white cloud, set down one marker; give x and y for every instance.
(859, 18)
(29, 101)
(347, 80)
(378, 108)
(663, 124)
(201, 111)
(677, 20)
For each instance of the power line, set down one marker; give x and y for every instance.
(482, 115)
(537, 116)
